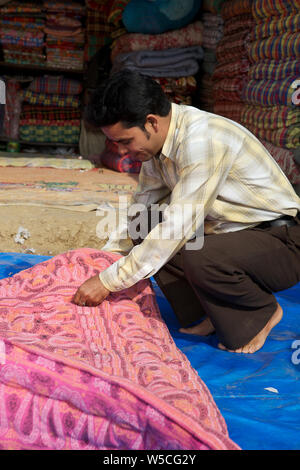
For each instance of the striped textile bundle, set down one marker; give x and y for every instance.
(238, 23)
(287, 137)
(19, 7)
(27, 39)
(233, 45)
(229, 89)
(49, 113)
(231, 69)
(270, 117)
(60, 132)
(230, 110)
(179, 90)
(266, 8)
(273, 69)
(286, 160)
(55, 85)
(274, 26)
(269, 92)
(51, 100)
(234, 8)
(278, 47)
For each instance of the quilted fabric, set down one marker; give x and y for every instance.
(107, 377)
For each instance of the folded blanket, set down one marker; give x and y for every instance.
(274, 69)
(265, 8)
(270, 117)
(288, 137)
(50, 131)
(229, 88)
(238, 23)
(55, 85)
(286, 46)
(276, 26)
(191, 35)
(229, 110)
(231, 47)
(234, 8)
(51, 100)
(49, 112)
(107, 377)
(269, 92)
(232, 69)
(19, 7)
(286, 161)
(180, 62)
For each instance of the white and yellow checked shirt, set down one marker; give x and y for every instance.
(206, 159)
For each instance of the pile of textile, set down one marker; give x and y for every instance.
(51, 111)
(171, 58)
(21, 33)
(231, 72)
(12, 109)
(212, 35)
(271, 112)
(103, 24)
(65, 34)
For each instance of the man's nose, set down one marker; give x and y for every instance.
(122, 150)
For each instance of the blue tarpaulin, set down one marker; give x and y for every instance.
(258, 394)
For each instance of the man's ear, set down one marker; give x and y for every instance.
(153, 121)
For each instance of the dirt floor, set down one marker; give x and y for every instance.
(47, 231)
(49, 211)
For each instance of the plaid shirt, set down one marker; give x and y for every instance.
(206, 159)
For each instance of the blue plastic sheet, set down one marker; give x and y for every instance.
(258, 394)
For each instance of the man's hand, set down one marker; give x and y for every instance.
(91, 293)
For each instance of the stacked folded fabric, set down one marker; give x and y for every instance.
(212, 35)
(51, 111)
(231, 72)
(172, 58)
(65, 34)
(274, 53)
(21, 33)
(103, 23)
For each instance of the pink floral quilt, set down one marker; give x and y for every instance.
(100, 378)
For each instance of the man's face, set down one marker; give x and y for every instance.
(142, 145)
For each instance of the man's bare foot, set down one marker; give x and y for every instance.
(259, 340)
(202, 329)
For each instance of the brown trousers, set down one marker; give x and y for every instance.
(232, 280)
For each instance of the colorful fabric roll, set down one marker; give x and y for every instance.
(55, 85)
(270, 117)
(266, 8)
(274, 26)
(232, 69)
(286, 46)
(269, 92)
(232, 47)
(229, 110)
(51, 100)
(286, 161)
(229, 89)
(288, 137)
(49, 113)
(273, 69)
(235, 8)
(58, 132)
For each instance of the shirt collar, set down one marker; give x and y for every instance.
(167, 150)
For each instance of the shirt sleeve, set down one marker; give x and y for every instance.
(191, 199)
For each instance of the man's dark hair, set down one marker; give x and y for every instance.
(126, 97)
